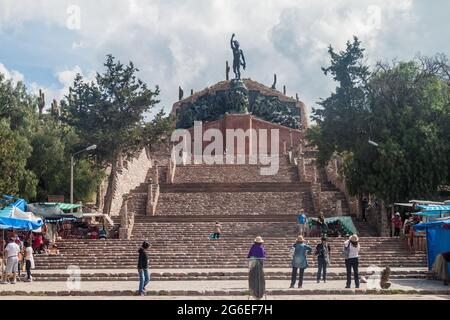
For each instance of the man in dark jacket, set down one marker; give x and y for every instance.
(144, 278)
(323, 259)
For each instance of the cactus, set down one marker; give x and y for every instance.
(180, 93)
(274, 81)
(227, 71)
(41, 102)
(55, 110)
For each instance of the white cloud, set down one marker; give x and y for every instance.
(187, 42)
(60, 89)
(13, 75)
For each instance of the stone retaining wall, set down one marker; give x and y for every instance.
(231, 203)
(133, 174)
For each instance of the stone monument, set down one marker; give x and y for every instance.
(238, 95)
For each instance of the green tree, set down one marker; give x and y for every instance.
(408, 101)
(403, 108)
(109, 112)
(53, 145)
(342, 116)
(15, 179)
(17, 120)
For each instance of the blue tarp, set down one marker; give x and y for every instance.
(19, 224)
(7, 222)
(438, 238)
(7, 211)
(19, 203)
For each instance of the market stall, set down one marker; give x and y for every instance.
(87, 226)
(437, 236)
(418, 212)
(17, 221)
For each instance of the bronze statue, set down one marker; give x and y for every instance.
(237, 54)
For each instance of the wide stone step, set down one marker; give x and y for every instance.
(232, 203)
(235, 187)
(233, 174)
(331, 276)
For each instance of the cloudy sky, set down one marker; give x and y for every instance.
(186, 42)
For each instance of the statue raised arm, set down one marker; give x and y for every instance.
(231, 42)
(237, 55)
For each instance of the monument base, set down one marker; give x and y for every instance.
(237, 84)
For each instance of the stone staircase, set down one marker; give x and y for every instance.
(233, 173)
(203, 190)
(247, 205)
(208, 275)
(332, 193)
(365, 229)
(186, 245)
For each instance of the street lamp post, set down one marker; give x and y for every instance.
(72, 163)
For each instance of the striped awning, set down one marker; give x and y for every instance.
(434, 208)
(65, 206)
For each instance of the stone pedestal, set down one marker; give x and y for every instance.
(238, 97)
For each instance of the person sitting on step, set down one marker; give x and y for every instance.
(217, 231)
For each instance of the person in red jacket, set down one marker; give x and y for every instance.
(397, 223)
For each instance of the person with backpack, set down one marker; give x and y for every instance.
(299, 260)
(144, 277)
(323, 259)
(351, 256)
(302, 222)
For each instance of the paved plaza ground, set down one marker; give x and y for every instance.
(214, 289)
(227, 298)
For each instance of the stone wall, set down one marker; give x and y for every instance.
(131, 176)
(232, 203)
(332, 172)
(328, 203)
(287, 136)
(126, 219)
(233, 174)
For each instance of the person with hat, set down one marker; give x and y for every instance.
(351, 255)
(323, 250)
(256, 280)
(397, 223)
(299, 260)
(257, 250)
(144, 277)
